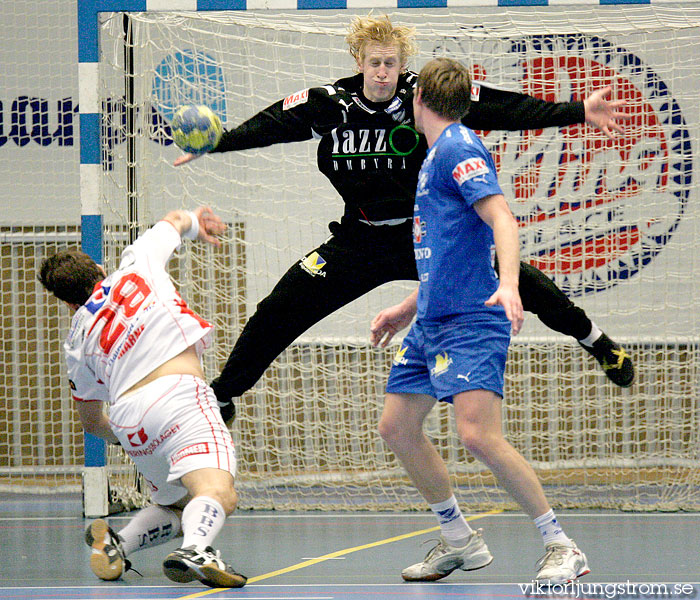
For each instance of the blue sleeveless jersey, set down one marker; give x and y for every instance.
(452, 244)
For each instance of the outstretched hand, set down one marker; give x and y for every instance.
(210, 225)
(603, 114)
(185, 158)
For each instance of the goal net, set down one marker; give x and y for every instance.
(612, 222)
(615, 225)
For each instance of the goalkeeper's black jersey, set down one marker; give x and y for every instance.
(370, 151)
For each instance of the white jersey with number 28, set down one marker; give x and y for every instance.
(133, 322)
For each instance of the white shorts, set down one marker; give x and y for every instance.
(170, 427)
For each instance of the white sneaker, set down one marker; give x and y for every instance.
(187, 564)
(561, 564)
(444, 558)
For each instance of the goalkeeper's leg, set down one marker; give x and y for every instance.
(542, 297)
(296, 303)
(301, 299)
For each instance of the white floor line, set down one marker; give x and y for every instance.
(385, 516)
(429, 516)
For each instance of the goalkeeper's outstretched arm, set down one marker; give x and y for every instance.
(277, 124)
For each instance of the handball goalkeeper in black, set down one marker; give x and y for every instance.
(371, 153)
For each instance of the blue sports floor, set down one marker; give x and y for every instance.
(352, 556)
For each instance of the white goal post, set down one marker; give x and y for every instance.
(615, 224)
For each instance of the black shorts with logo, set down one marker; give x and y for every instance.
(356, 259)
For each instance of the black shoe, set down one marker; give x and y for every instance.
(226, 405)
(615, 361)
(107, 560)
(187, 564)
(228, 411)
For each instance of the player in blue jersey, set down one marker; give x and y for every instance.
(456, 350)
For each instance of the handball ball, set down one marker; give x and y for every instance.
(196, 129)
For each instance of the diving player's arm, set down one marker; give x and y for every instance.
(89, 394)
(94, 420)
(207, 224)
(157, 244)
(495, 109)
(392, 320)
(494, 211)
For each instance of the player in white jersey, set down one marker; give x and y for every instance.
(135, 345)
(456, 350)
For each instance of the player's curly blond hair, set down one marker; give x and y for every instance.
(379, 30)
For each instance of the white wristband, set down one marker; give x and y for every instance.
(193, 231)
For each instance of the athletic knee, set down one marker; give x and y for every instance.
(479, 443)
(396, 433)
(226, 496)
(230, 501)
(387, 429)
(212, 483)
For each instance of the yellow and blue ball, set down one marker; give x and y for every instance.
(196, 129)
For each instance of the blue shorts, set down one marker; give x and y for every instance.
(444, 359)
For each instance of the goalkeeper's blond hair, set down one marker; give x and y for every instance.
(379, 30)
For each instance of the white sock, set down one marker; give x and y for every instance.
(595, 333)
(551, 530)
(202, 520)
(453, 526)
(150, 527)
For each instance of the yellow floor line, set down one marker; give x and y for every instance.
(314, 561)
